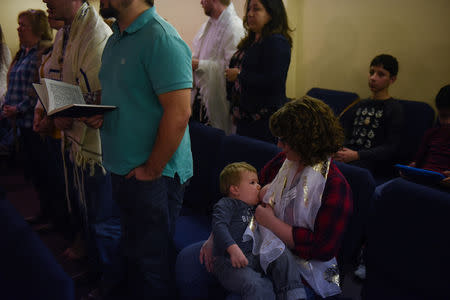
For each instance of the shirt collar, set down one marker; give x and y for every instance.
(32, 49)
(137, 24)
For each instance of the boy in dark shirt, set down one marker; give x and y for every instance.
(237, 269)
(434, 151)
(373, 126)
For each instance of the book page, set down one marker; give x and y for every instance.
(62, 94)
(42, 94)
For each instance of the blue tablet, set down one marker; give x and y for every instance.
(420, 175)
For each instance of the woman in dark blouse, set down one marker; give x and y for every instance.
(257, 75)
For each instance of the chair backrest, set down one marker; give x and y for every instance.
(409, 243)
(212, 151)
(337, 100)
(237, 148)
(205, 144)
(418, 117)
(28, 270)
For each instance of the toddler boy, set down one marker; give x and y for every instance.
(237, 269)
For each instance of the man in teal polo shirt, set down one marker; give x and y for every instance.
(146, 72)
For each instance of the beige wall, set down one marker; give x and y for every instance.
(186, 15)
(334, 41)
(339, 38)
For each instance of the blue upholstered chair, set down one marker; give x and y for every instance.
(419, 117)
(409, 245)
(337, 100)
(206, 145)
(27, 268)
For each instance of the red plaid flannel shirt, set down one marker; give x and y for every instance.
(323, 243)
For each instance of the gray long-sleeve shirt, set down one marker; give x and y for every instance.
(230, 219)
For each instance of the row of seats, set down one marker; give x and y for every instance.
(408, 243)
(418, 117)
(407, 240)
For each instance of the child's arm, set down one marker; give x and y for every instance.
(223, 241)
(221, 221)
(237, 257)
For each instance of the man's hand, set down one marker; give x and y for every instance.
(44, 125)
(206, 254)
(346, 155)
(195, 62)
(63, 123)
(37, 120)
(231, 74)
(145, 173)
(238, 259)
(9, 111)
(94, 121)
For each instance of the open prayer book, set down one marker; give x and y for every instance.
(61, 99)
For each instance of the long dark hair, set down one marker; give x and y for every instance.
(277, 25)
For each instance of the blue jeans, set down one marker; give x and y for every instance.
(194, 282)
(103, 218)
(148, 212)
(249, 282)
(282, 282)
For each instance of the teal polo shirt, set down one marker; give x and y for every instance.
(148, 59)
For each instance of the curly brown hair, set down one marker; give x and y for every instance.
(309, 127)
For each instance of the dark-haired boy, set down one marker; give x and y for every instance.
(434, 151)
(373, 126)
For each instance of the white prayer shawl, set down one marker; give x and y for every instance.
(298, 206)
(209, 77)
(87, 38)
(4, 67)
(50, 61)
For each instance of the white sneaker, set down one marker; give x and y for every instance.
(360, 272)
